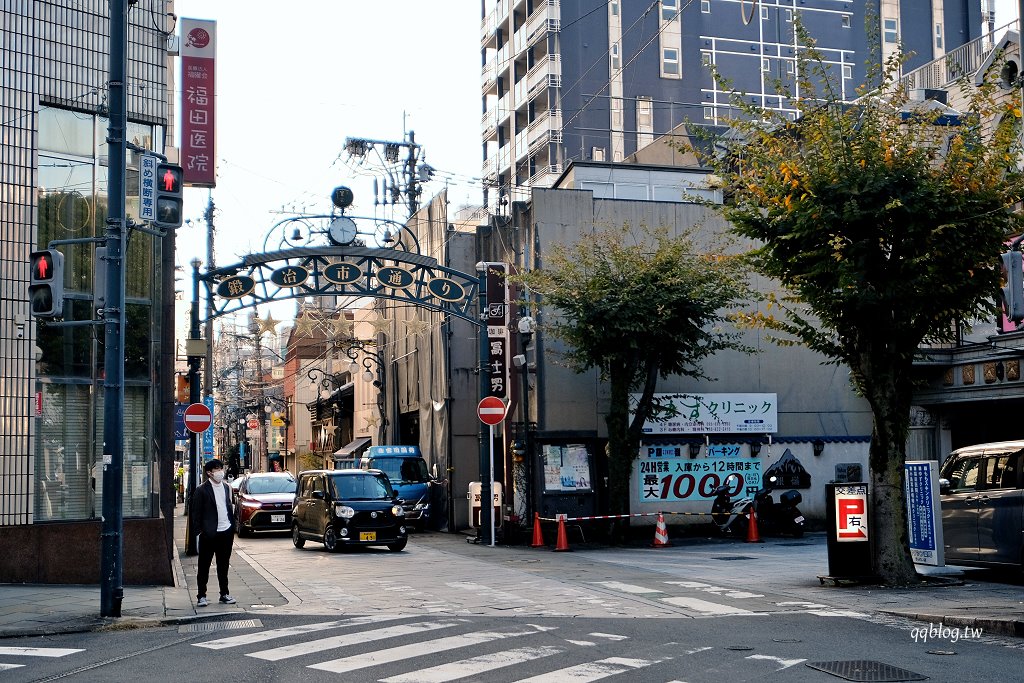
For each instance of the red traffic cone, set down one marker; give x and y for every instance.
(538, 535)
(752, 535)
(562, 543)
(661, 533)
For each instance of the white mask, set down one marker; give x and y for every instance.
(217, 476)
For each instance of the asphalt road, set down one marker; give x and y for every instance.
(425, 648)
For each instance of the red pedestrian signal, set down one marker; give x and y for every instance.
(168, 200)
(46, 286)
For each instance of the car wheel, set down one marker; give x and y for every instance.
(399, 546)
(330, 539)
(297, 540)
(240, 529)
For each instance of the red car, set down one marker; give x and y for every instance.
(264, 502)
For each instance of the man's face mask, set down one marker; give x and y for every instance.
(217, 476)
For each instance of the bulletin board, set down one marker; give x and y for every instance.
(566, 468)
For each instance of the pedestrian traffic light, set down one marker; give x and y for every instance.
(46, 286)
(168, 198)
(1013, 285)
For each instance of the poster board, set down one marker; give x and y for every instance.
(566, 468)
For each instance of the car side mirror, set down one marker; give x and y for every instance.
(318, 494)
(943, 486)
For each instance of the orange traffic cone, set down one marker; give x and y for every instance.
(661, 533)
(538, 535)
(562, 543)
(752, 535)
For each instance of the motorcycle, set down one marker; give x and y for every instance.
(731, 516)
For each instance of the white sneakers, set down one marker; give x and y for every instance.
(202, 602)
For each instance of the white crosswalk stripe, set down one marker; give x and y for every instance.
(627, 587)
(354, 638)
(33, 652)
(705, 607)
(475, 665)
(592, 671)
(395, 654)
(273, 634)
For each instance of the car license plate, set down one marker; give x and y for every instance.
(799, 519)
(367, 535)
(277, 519)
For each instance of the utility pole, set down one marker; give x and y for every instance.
(413, 175)
(210, 265)
(111, 534)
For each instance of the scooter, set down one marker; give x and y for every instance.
(731, 516)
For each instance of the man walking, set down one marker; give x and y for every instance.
(213, 518)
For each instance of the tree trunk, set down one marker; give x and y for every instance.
(620, 458)
(889, 394)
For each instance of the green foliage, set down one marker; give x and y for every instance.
(639, 297)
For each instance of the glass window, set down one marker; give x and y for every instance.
(847, 71)
(709, 113)
(789, 16)
(258, 485)
(705, 6)
(615, 56)
(597, 153)
(766, 65)
(361, 487)
(1001, 471)
(615, 8)
(764, 12)
(66, 132)
(846, 21)
(938, 36)
(669, 9)
(890, 30)
(963, 475)
(670, 61)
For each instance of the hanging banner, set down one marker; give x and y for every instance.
(198, 58)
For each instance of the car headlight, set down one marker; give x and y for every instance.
(344, 511)
(397, 511)
(251, 503)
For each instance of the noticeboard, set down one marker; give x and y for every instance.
(566, 468)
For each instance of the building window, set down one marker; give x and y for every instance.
(846, 21)
(766, 65)
(669, 9)
(615, 8)
(938, 36)
(764, 12)
(705, 6)
(847, 71)
(789, 16)
(616, 113)
(597, 153)
(615, 56)
(644, 122)
(890, 30)
(670, 62)
(709, 113)
(789, 66)
(705, 58)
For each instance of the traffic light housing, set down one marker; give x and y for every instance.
(168, 198)
(1013, 285)
(46, 286)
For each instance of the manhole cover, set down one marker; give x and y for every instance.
(730, 558)
(203, 626)
(866, 670)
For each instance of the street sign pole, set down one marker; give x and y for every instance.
(486, 506)
(193, 397)
(489, 502)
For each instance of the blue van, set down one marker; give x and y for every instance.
(408, 473)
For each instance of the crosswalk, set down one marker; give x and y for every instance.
(406, 649)
(20, 652)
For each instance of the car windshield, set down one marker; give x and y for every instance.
(405, 470)
(361, 487)
(270, 485)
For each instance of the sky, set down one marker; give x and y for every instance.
(294, 80)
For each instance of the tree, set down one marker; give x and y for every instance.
(637, 304)
(883, 221)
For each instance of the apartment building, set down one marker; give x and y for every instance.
(590, 80)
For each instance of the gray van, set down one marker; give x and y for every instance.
(982, 493)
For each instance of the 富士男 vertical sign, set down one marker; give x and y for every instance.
(198, 58)
(497, 329)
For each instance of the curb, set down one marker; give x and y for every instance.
(1003, 627)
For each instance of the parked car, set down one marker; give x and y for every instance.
(983, 505)
(342, 508)
(407, 471)
(234, 484)
(264, 502)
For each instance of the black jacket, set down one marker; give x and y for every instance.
(203, 510)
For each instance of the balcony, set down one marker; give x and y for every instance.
(547, 126)
(546, 73)
(545, 176)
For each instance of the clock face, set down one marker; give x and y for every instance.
(342, 230)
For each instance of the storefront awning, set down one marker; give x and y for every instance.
(352, 447)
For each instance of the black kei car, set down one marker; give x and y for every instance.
(345, 508)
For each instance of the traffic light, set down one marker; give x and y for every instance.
(1013, 285)
(46, 287)
(168, 196)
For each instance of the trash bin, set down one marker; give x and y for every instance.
(849, 531)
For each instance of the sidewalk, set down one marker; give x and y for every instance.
(956, 598)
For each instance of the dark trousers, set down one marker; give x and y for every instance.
(220, 545)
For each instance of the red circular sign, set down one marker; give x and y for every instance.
(491, 410)
(198, 418)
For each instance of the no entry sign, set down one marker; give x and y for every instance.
(491, 410)
(198, 418)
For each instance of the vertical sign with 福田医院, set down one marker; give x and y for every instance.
(198, 58)
(497, 330)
